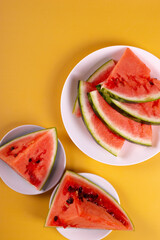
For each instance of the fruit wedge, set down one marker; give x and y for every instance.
(32, 156)
(133, 131)
(130, 81)
(100, 132)
(79, 203)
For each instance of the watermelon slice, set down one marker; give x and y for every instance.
(130, 81)
(100, 132)
(79, 203)
(133, 131)
(32, 156)
(148, 112)
(97, 77)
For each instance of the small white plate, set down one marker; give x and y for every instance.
(130, 153)
(15, 181)
(89, 234)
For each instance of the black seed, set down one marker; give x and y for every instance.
(80, 189)
(70, 200)
(71, 189)
(30, 160)
(38, 161)
(86, 195)
(94, 196)
(15, 155)
(55, 218)
(80, 194)
(151, 83)
(90, 196)
(12, 148)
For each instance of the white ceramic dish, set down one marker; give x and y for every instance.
(89, 234)
(131, 153)
(15, 181)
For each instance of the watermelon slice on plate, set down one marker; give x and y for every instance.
(100, 132)
(79, 203)
(133, 131)
(32, 156)
(97, 77)
(130, 81)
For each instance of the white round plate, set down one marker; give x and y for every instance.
(89, 234)
(15, 181)
(130, 153)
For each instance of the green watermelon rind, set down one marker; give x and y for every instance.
(110, 149)
(133, 115)
(107, 122)
(54, 157)
(106, 65)
(94, 185)
(103, 67)
(75, 105)
(120, 97)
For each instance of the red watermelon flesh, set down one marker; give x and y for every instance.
(32, 156)
(130, 80)
(100, 132)
(80, 203)
(122, 125)
(97, 77)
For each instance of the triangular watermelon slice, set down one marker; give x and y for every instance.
(100, 132)
(97, 77)
(79, 203)
(133, 131)
(130, 81)
(32, 156)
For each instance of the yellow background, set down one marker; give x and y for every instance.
(40, 43)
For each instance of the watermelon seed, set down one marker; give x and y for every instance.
(94, 196)
(91, 196)
(55, 218)
(70, 200)
(12, 148)
(151, 83)
(15, 155)
(80, 189)
(38, 161)
(86, 195)
(80, 194)
(71, 189)
(30, 160)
